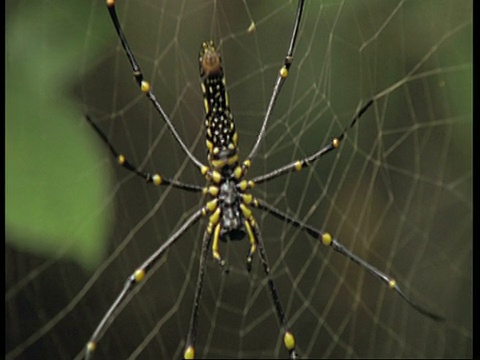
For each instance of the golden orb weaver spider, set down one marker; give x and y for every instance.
(229, 209)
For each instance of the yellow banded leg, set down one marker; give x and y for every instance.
(215, 243)
(253, 244)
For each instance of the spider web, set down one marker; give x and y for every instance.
(398, 192)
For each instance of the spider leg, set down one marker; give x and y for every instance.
(288, 338)
(155, 179)
(133, 280)
(145, 85)
(281, 77)
(192, 330)
(300, 164)
(328, 240)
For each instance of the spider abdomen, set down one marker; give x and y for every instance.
(222, 137)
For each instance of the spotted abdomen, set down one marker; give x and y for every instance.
(222, 137)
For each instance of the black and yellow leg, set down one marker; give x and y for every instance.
(189, 352)
(288, 338)
(253, 244)
(155, 179)
(135, 278)
(301, 164)
(249, 224)
(328, 240)
(144, 85)
(215, 246)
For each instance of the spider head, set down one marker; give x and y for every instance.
(210, 60)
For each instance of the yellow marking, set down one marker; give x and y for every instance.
(212, 205)
(209, 228)
(145, 86)
(231, 146)
(205, 105)
(216, 177)
(215, 217)
(226, 96)
(189, 353)
(156, 179)
(138, 275)
(235, 137)
(251, 238)
(216, 238)
(216, 151)
(204, 170)
(392, 283)
(247, 164)
(244, 184)
(335, 143)
(232, 160)
(284, 72)
(246, 211)
(121, 159)
(289, 340)
(218, 163)
(326, 239)
(247, 198)
(298, 165)
(213, 190)
(110, 3)
(251, 28)
(91, 346)
(238, 172)
(209, 145)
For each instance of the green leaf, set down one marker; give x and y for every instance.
(55, 188)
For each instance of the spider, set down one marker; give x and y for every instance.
(229, 208)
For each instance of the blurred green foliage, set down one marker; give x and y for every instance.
(50, 200)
